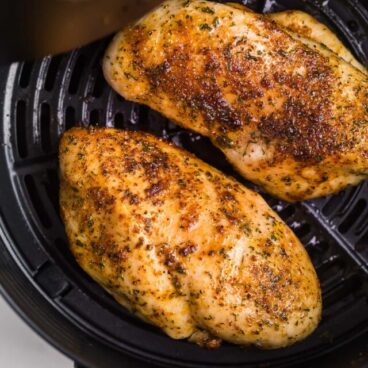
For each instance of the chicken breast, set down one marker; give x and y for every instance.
(288, 113)
(305, 25)
(298, 23)
(180, 244)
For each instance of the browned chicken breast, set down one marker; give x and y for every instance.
(302, 25)
(289, 114)
(305, 25)
(180, 244)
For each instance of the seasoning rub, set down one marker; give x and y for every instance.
(180, 244)
(289, 113)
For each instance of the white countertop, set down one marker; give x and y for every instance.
(20, 347)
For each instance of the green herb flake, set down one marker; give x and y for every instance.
(129, 76)
(205, 26)
(145, 147)
(361, 123)
(282, 53)
(79, 243)
(207, 10)
(246, 229)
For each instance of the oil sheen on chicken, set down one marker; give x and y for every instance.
(185, 247)
(289, 113)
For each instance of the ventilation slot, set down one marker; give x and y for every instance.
(353, 216)
(361, 223)
(21, 125)
(94, 117)
(99, 86)
(52, 72)
(119, 120)
(52, 183)
(302, 230)
(69, 117)
(287, 212)
(331, 206)
(37, 201)
(362, 245)
(45, 120)
(76, 75)
(25, 75)
(339, 203)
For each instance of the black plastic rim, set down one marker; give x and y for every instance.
(41, 100)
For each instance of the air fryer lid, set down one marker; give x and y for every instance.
(42, 99)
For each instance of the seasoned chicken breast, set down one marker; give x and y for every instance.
(180, 244)
(305, 25)
(289, 114)
(298, 23)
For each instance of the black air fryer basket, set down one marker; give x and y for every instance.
(39, 101)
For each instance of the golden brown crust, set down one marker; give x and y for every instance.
(301, 124)
(183, 245)
(273, 104)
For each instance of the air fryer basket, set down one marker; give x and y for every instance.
(39, 101)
